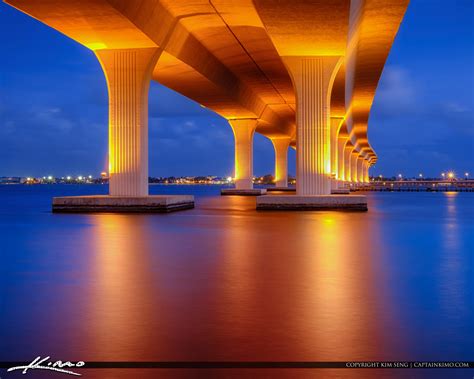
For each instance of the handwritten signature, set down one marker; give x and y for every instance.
(43, 364)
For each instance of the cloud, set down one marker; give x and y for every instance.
(410, 127)
(397, 93)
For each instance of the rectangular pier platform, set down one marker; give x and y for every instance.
(281, 189)
(243, 192)
(340, 191)
(119, 204)
(311, 203)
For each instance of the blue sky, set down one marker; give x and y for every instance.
(53, 105)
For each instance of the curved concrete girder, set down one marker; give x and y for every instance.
(373, 27)
(198, 36)
(95, 24)
(306, 28)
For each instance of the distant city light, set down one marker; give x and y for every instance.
(443, 174)
(420, 175)
(466, 174)
(451, 175)
(79, 177)
(68, 178)
(90, 176)
(50, 177)
(229, 179)
(400, 176)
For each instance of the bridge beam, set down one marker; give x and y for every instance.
(281, 161)
(128, 73)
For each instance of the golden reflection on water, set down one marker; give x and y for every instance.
(233, 285)
(123, 307)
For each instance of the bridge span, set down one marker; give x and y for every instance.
(302, 73)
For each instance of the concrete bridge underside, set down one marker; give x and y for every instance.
(302, 73)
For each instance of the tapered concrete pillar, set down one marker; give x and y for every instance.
(333, 145)
(312, 79)
(354, 176)
(281, 161)
(360, 169)
(244, 130)
(128, 73)
(348, 149)
(366, 171)
(341, 144)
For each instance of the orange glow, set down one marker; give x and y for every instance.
(96, 45)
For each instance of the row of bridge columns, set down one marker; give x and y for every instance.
(325, 159)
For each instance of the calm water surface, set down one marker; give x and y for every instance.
(225, 282)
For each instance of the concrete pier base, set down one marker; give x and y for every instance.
(243, 192)
(281, 189)
(340, 191)
(310, 203)
(118, 204)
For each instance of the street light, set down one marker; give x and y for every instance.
(443, 175)
(400, 176)
(450, 175)
(466, 174)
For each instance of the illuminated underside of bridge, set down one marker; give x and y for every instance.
(302, 73)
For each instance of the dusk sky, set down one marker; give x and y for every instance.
(53, 105)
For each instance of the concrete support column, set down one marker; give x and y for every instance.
(244, 130)
(281, 161)
(334, 131)
(354, 175)
(347, 162)
(312, 79)
(128, 73)
(341, 144)
(366, 171)
(360, 169)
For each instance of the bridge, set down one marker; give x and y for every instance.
(302, 73)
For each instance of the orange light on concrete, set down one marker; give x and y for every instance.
(354, 166)
(281, 161)
(128, 74)
(312, 79)
(244, 130)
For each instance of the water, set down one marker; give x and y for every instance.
(225, 282)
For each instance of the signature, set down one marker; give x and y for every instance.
(43, 364)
